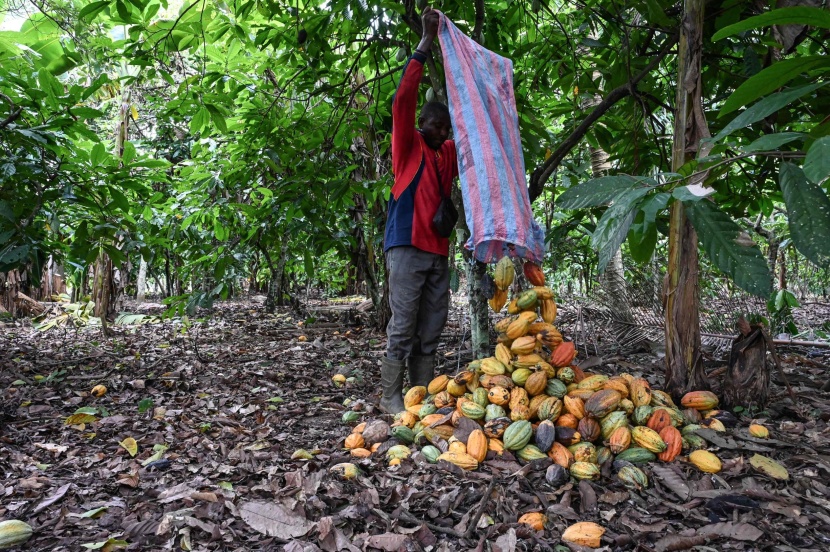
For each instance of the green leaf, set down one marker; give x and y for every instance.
(200, 119)
(772, 78)
(765, 108)
(771, 142)
(724, 243)
(808, 210)
(612, 228)
(657, 14)
(90, 11)
(86, 112)
(309, 264)
(593, 193)
(814, 17)
(119, 199)
(642, 239)
(129, 152)
(98, 154)
(95, 512)
(817, 163)
(219, 229)
(49, 84)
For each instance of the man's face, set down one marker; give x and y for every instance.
(436, 130)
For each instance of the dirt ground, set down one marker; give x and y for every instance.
(191, 448)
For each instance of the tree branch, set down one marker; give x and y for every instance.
(479, 24)
(543, 172)
(13, 113)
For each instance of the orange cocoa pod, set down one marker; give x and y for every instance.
(477, 445)
(674, 443)
(659, 419)
(535, 520)
(560, 454)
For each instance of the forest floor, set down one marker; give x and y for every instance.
(191, 449)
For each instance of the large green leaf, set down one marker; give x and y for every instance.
(770, 142)
(770, 79)
(766, 107)
(729, 249)
(817, 163)
(808, 209)
(596, 192)
(815, 17)
(91, 10)
(613, 226)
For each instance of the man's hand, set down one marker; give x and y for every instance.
(429, 20)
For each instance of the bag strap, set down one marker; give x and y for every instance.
(438, 174)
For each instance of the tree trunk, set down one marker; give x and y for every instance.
(748, 376)
(141, 282)
(479, 313)
(168, 279)
(273, 283)
(101, 290)
(782, 275)
(282, 289)
(684, 366)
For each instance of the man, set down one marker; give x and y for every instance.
(424, 164)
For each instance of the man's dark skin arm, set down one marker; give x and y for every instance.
(429, 20)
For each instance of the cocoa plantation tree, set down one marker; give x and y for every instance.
(718, 179)
(257, 143)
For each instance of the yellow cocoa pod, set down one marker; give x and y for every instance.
(758, 431)
(518, 328)
(498, 301)
(503, 354)
(547, 309)
(584, 533)
(504, 273)
(438, 384)
(460, 459)
(705, 461)
(523, 345)
(414, 396)
(353, 441)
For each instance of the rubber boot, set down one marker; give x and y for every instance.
(421, 370)
(391, 378)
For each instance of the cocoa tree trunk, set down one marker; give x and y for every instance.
(101, 285)
(684, 366)
(271, 297)
(283, 288)
(748, 376)
(141, 282)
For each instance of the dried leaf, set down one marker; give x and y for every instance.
(129, 479)
(77, 419)
(671, 543)
(673, 480)
(737, 531)
(52, 447)
(769, 467)
(274, 520)
(130, 446)
(54, 497)
(299, 546)
(587, 497)
(506, 542)
(390, 542)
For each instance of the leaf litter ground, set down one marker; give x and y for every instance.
(191, 449)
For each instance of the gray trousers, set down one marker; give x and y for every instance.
(419, 296)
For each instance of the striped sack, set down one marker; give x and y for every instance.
(490, 161)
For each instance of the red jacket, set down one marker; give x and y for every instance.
(415, 193)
